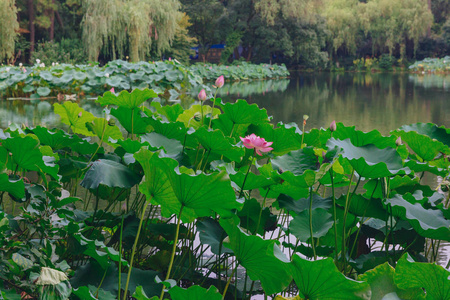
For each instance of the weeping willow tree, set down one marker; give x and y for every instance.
(391, 23)
(343, 23)
(9, 28)
(128, 26)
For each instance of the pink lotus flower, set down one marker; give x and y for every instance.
(220, 81)
(202, 95)
(258, 143)
(333, 126)
(170, 58)
(112, 90)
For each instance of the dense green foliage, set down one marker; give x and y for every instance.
(309, 33)
(112, 206)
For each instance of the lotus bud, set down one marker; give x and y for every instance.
(220, 81)
(80, 114)
(38, 61)
(20, 65)
(24, 70)
(197, 116)
(42, 65)
(170, 58)
(333, 126)
(305, 118)
(202, 95)
(112, 90)
(398, 141)
(53, 64)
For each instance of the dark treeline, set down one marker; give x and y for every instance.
(306, 33)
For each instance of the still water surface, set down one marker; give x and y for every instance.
(368, 101)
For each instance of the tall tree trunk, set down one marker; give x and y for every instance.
(52, 22)
(31, 24)
(429, 27)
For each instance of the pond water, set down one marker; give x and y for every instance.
(368, 101)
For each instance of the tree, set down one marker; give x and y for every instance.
(9, 28)
(205, 17)
(116, 24)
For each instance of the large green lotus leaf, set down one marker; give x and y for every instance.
(131, 119)
(84, 146)
(56, 138)
(109, 173)
(306, 180)
(284, 139)
(172, 130)
(429, 223)
(216, 142)
(434, 279)
(14, 187)
(417, 167)
(90, 292)
(195, 293)
(210, 233)
(156, 140)
(317, 137)
(74, 116)
(322, 221)
(322, 280)
(360, 206)
(188, 116)
(101, 128)
(241, 112)
(224, 124)
(360, 138)
(252, 182)
(27, 154)
(382, 285)
(170, 112)
(425, 139)
(297, 162)
(156, 185)
(262, 259)
(249, 216)
(127, 99)
(370, 161)
(198, 194)
(295, 207)
(43, 91)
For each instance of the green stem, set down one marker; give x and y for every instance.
(201, 109)
(120, 253)
(228, 282)
(101, 282)
(174, 249)
(260, 212)
(344, 221)
(133, 251)
(212, 110)
(246, 174)
(132, 123)
(334, 215)
(310, 223)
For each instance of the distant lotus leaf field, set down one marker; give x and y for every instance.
(212, 200)
(169, 77)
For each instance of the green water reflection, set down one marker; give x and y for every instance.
(369, 101)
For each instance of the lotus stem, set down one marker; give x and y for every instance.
(133, 251)
(345, 219)
(334, 215)
(120, 258)
(212, 110)
(260, 212)
(310, 223)
(246, 174)
(228, 282)
(174, 249)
